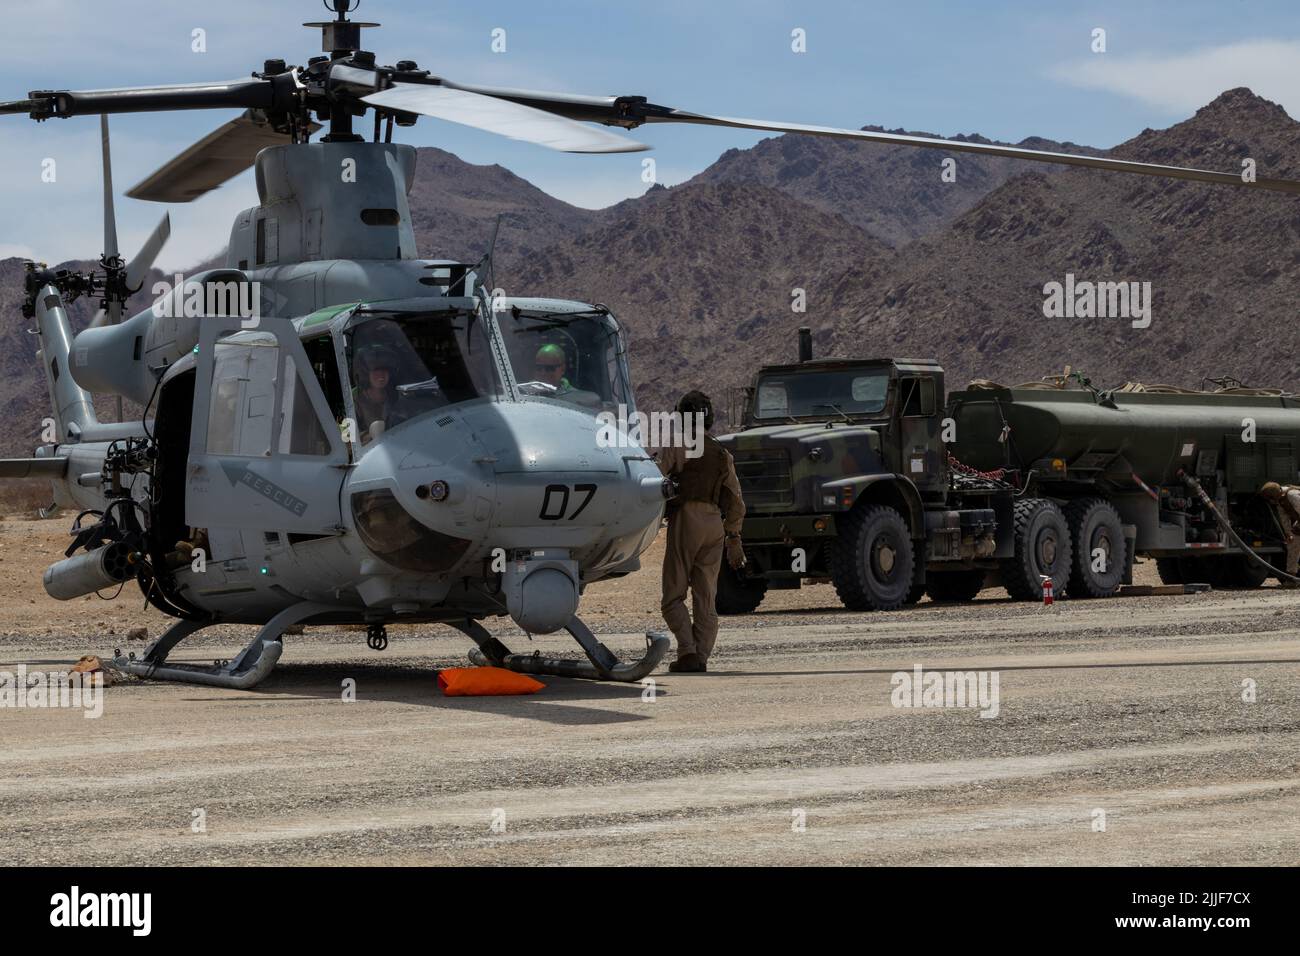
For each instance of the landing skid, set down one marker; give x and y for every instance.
(601, 663)
(250, 668)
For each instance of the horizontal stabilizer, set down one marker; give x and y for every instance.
(33, 467)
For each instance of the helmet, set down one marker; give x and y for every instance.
(1271, 489)
(697, 402)
(371, 357)
(551, 352)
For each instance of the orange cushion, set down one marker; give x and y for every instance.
(485, 682)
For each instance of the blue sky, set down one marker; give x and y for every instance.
(1004, 69)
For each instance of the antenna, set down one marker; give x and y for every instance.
(485, 261)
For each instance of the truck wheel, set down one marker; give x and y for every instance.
(736, 594)
(1170, 570)
(1042, 540)
(1246, 573)
(954, 585)
(1095, 526)
(872, 560)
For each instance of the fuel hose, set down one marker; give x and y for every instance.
(1195, 485)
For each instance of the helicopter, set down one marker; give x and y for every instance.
(334, 430)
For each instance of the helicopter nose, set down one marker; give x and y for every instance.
(536, 485)
(570, 505)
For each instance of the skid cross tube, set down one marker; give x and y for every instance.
(254, 663)
(601, 663)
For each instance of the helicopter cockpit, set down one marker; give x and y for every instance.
(402, 364)
(576, 358)
(405, 364)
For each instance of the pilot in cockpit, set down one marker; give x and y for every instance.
(375, 394)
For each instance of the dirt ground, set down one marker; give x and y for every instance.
(1174, 722)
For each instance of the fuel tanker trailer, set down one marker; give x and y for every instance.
(856, 472)
(1172, 474)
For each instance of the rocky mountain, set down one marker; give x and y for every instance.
(455, 204)
(1223, 266)
(703, 276)
(895, 193)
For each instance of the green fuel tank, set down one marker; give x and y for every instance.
(1250, 439)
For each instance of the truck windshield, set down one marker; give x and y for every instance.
(821, 394)
(405, 364)
(572, 357)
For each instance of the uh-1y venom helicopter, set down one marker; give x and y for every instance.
(476, 490)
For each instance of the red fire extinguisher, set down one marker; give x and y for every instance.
(1047, 591)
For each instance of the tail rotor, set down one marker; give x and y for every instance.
(123, 280)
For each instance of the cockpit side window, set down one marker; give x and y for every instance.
(410, 364)
(575, 358)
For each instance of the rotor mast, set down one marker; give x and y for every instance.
(341, 38)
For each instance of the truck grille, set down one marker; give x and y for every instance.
(764, 477)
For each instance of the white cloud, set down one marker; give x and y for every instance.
(1182, 83)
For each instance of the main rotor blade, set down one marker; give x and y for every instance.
(232, 94)
(140, 265)
(610, 110)
(110, 216)
(501, 116)
(222, 154)
(631, 111)
(986, 149)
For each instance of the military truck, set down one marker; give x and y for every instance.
(856, 471)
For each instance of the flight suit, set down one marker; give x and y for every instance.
(708, 507)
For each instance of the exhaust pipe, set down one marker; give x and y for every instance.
(805, 344)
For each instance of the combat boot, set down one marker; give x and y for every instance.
(688, 664)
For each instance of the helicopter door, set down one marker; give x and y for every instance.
(265, 451)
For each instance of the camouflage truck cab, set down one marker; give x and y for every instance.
(845, 477)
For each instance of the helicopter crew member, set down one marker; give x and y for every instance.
(550, 364)
(376, 392)
(704, 520)
(1285, 500)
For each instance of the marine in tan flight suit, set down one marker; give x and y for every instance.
(1285, 500)
(704, 520)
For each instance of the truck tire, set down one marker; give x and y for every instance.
(736, 594)
(1246, 573)
(1170, 570)
(954, 585)
(872, 560)
(1042, 547)
(1094, 523)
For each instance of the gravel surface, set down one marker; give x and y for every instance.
(789, 751)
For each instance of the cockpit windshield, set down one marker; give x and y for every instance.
(821, 394)
(405, 364)
(571, 357)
